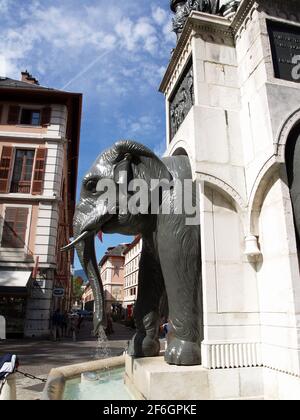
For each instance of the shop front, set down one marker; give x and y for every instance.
(13, 300)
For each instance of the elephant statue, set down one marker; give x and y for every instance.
(170, 265)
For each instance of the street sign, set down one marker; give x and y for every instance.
(59, 293)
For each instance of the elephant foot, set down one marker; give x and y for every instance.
(143, 346)
(183, 353)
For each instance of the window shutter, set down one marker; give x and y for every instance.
(5, 166)
(39, 171)
(14, 229)
(13, 115)
(46, 116)
(1, 111)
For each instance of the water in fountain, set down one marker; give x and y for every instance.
(103, 351)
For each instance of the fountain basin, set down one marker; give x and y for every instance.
(85, 380)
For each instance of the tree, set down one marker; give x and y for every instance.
(77, 288)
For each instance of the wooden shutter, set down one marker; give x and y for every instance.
(5, 166)
(13, 115)
(46, 116)
(1, 112)
(15, 226)
(39, 171)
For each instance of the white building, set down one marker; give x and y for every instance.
(131, 273)
(233, 107)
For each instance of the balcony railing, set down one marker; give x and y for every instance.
(21, 187)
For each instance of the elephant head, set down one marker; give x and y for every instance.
(95, 215)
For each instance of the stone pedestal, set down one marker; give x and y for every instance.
(232, 107)
(153, 379)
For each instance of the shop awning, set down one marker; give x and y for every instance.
(14, 282)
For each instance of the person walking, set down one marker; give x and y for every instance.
(73, 326)
(56, 325)
(64, 324)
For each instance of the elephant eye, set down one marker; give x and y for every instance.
(91, 185)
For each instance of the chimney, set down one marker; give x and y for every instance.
(27, 77)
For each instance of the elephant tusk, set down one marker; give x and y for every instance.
(80, 238)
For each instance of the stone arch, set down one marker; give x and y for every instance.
(290, 123)
(263, 180)
(180, 152)
(226, 190)
(275, 166)
(181, 148)
(292, 167)
(269, 174)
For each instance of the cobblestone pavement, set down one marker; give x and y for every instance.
(38, 357)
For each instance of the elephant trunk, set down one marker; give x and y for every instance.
(86, 253)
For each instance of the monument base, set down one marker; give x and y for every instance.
(153, 379)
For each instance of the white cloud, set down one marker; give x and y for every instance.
(160, 148)
(4, 4)
(62, 38)
(134, 127)
(159, 15)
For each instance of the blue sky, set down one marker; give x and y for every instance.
(115, 52)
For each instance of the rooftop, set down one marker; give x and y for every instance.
(6, 82)
(117, 251)
(133, 244)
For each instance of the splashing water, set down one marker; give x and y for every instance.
(103, 351)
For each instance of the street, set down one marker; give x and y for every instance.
(38, 357)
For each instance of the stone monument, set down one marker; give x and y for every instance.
(232, 93)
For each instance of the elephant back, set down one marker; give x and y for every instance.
(179, 167)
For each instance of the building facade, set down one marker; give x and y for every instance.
(39, 144)
(131, 277)
(88, 300)
(112, 275)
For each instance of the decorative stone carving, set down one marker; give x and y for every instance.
(183, 8)
(231, 355)
(182, 100)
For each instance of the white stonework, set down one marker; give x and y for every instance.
(131, 272)
(235, 137)
(153, 379)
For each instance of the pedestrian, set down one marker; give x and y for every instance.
(64, 324)
(109, 329)
(56, 325)
(79, 322)
(73, 326)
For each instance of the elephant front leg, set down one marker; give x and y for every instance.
(146, 343)
(182, 273)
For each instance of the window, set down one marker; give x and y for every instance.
(30, 117)
(14, 228)
(19, 173)
(22, 171)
